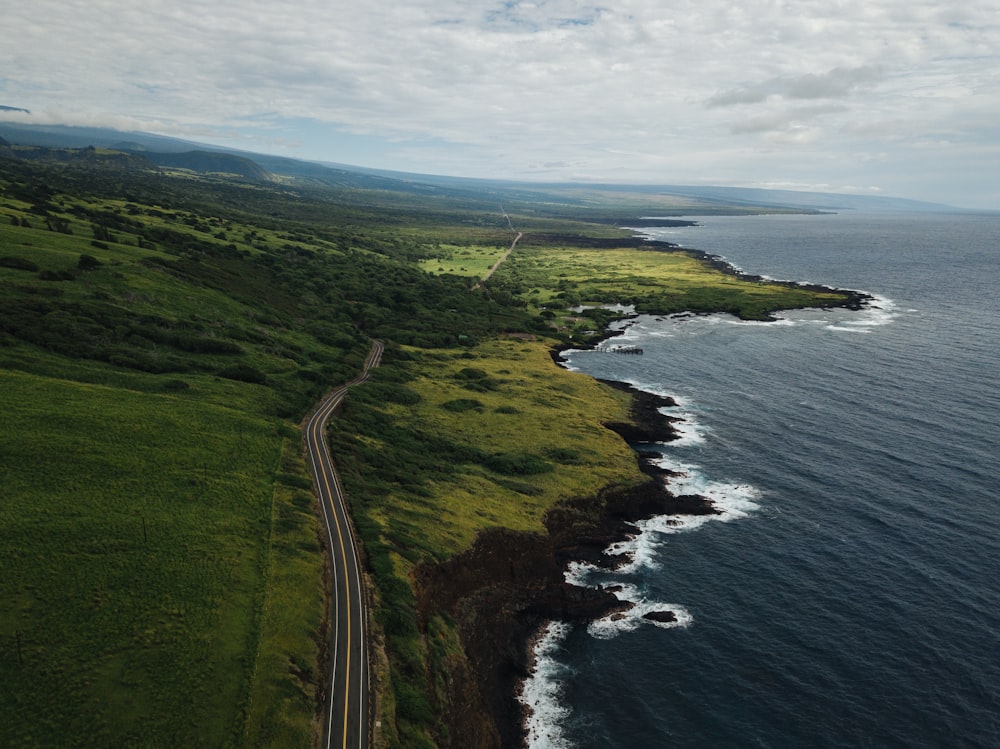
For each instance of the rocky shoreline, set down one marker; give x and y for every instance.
(504, 589)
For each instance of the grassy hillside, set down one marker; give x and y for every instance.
(155, 507)
(161, 337)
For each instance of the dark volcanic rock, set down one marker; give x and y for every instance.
(502, 590)
(661, 616)
(509, 584)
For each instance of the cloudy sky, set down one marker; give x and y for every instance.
(892, 97)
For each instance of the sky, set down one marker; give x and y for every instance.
(879, 97)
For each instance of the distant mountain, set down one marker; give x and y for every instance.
(79, 156)
(65, 136)
(4, 108)
(637, 200)
(823, 201)
(208, 162)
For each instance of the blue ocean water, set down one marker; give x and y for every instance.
(849, 594)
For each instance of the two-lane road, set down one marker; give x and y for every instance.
(345, 718)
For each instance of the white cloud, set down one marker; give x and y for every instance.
(758, 91)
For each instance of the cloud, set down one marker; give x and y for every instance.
(635, 89)
(784, 119)
(838, 83)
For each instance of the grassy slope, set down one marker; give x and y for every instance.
(159, 562)
(159, 556)
(135, 533)
(502, 399)
(443, 443)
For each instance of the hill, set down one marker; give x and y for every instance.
(209, 162)
(627, 200)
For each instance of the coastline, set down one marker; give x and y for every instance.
(855, 299)
(509, 586)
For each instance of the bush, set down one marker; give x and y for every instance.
(472, 373)
(463, 404)
(564, 455)
(528, 490)
(18, 263)
(390, 392)
(244, 373)
(88, 262)
(517, 464)
(57, 275)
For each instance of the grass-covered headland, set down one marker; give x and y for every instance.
(162, 335)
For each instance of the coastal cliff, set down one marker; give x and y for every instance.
(502, 590)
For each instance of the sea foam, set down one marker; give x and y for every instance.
(640, 549)
(541, 691)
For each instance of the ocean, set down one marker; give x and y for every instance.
(848, 593)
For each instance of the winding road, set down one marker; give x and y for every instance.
(345, 712)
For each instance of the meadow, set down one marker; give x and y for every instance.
(136, 531)
(653, 280)
(472, 260)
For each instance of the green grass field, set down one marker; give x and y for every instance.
(472, 261)
(136, 528)
(657, 282)
(503, 398)
(160, 571)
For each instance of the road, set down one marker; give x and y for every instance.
(345, 712)
(503, 257)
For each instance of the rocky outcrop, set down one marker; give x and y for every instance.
(665, 617)
(502, 590)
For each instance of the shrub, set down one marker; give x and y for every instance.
(57, 275)
(517, 464)
(244, 373)
(528, 490)
(472, 373)
(463, 404)
(564, 455)
(18, 263)
(88, 262)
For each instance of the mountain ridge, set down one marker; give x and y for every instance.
(166, 150)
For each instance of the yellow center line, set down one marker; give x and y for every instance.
(320, 446)
(347, 599)
(331, 496)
